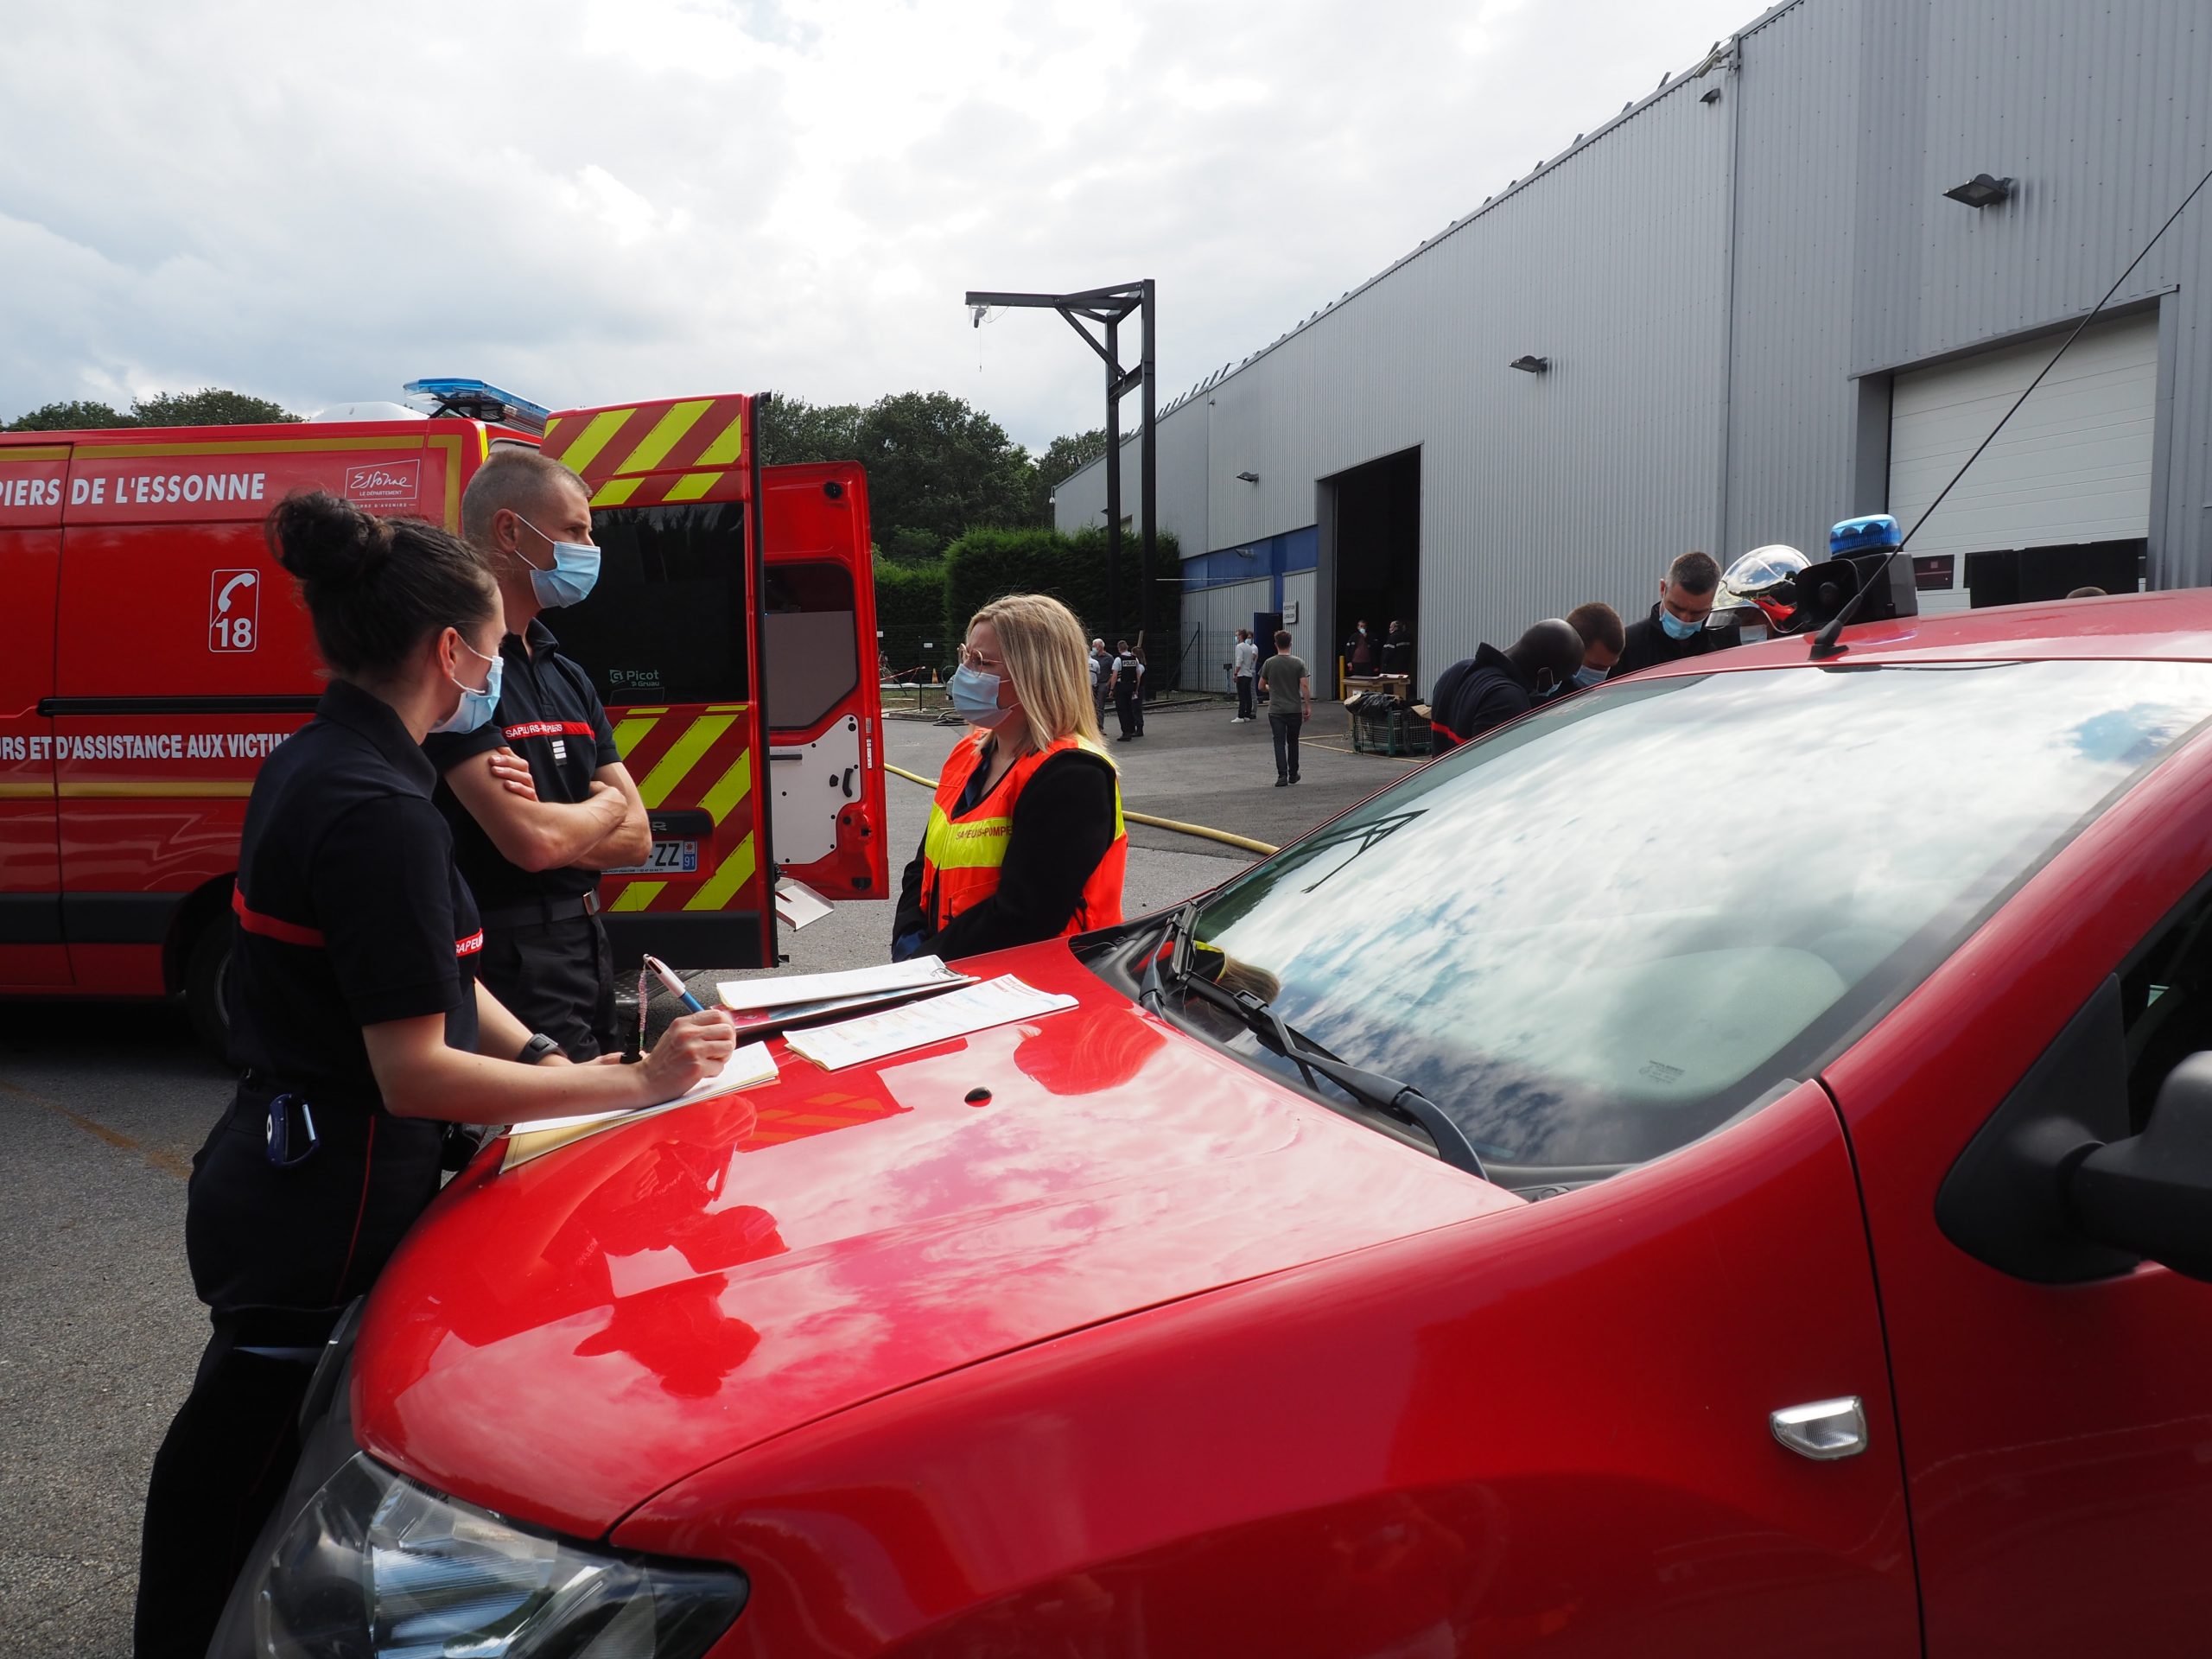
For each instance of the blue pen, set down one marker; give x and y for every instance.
(675, 985)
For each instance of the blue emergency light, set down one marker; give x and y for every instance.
(478, 400)
(1876, 533)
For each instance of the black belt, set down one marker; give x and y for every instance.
(541, 910)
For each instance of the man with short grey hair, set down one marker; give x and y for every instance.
(538, 799)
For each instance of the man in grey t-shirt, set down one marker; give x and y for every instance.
(1290, 704)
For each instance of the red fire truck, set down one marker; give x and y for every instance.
(157, 654)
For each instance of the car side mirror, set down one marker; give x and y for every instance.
(2151, 1194)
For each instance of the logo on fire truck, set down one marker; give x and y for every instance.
(385, 483)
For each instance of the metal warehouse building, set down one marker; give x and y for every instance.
(1747, 308)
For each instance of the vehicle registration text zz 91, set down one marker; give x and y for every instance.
(668, 858)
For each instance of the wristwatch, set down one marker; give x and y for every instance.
(537, 1048)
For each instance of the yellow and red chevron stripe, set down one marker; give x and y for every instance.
(696, 756)
(650, 454)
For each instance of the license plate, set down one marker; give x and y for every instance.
(669, 858)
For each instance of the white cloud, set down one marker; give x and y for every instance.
(590, 200)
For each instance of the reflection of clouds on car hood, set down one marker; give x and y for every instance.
(1635, 899)
(2133, 735)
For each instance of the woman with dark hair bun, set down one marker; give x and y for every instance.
(363, 1033)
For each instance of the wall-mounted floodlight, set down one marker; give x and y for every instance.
(1710, 95)
(1531, 365)
(1249, 478)
(1980, 191)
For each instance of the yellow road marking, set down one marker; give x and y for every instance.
(167, 1162)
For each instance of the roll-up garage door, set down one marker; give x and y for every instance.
(2072, 470)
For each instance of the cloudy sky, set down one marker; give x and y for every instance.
(595, 200)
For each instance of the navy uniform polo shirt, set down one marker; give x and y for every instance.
(350, 909)
(548, 715)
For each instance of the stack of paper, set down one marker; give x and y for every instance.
(749, 1067)
(852, 1042)
(785, 1000)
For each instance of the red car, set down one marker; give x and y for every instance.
(1678, 1176)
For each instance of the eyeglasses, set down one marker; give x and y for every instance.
(970, 658)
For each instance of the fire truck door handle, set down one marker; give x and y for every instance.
(849, 771)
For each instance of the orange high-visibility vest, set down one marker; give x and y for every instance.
(961, 856)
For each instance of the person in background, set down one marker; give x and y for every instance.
(1398, 651)
(1246, 668)
(363, 1030)
(1101, 680)
(1360, 654)
(1128, 690)
(1025, 839)
(1603, 640)
(1290, 705)
(1675, 629)
(1494, 686)
(538, 797)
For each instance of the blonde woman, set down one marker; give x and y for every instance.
(1024, 839)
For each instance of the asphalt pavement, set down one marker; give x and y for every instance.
(103, 1106)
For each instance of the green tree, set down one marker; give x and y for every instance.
(209, 406)
(1064, 457)
(792, 429)
(936, 464)
(77, 415)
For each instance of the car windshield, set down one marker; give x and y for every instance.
(1606, 930)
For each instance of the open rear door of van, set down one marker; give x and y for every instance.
(824, 696)
(670, 636)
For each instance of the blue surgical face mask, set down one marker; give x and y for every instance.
(575, 568)
(475, 707)
(1678, 629)
(976, 696)
(1587, 677)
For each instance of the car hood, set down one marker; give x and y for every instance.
(560, 1341)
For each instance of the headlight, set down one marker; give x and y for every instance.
(376, 1566)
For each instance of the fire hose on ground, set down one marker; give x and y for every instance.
(1199, 830)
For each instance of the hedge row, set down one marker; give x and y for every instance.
(910, 615)
(922, 608)
(984, 564)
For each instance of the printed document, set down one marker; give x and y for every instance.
(853, 1042)
(786, 990)
(748, 1068)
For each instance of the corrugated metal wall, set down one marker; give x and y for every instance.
(1699, 400)
(1790, 408)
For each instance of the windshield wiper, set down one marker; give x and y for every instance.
(1151, 991)
(1371, 1089)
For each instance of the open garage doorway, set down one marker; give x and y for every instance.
(1375, 574)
